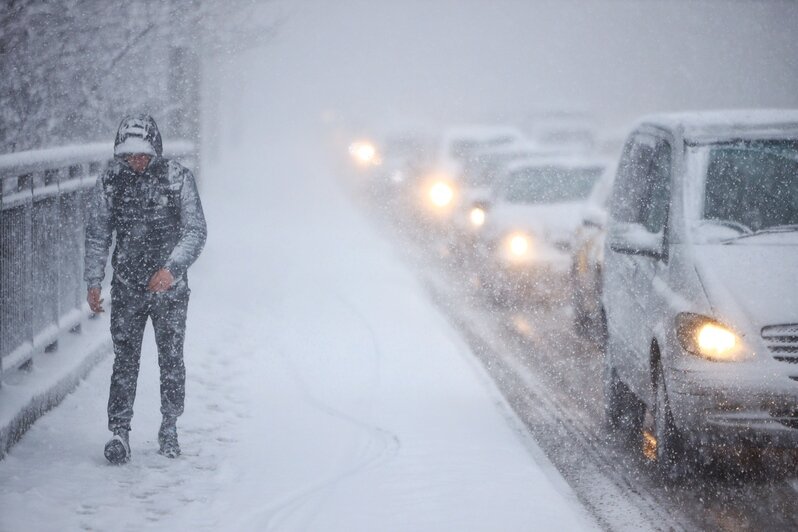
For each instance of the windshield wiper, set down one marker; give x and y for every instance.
(737, 226)
(786, 228)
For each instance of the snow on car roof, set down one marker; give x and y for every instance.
(477, 132)
(705, 125)
(563, 162)
(513, 147)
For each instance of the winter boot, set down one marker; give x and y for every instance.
(117, 450)
(167, 438)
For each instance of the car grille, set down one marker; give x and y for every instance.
(787, 417)
(782, 341)
(789, 421)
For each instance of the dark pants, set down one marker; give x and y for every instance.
(130, 308)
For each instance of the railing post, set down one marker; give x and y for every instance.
(28, 246)
(58, 244)
(77, 203)
(3, 267)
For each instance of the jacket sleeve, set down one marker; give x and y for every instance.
(98, 236)
(193, 229)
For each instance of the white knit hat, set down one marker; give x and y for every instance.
(134, 144)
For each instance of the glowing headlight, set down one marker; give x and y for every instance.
(707, 338)
(477, 216)
(519, 244)
(441, 194)
(363, 152)
(716, 340)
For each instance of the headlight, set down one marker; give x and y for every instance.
(517, 246)
(441, 194)
(707, 338)
(364, 152)
(477, 217)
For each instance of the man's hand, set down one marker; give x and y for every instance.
(95, 303)
(161, 281)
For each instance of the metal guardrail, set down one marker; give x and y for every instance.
(44, 196)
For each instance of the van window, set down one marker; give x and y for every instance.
(753, 184)
(630, 188)
(657, 199)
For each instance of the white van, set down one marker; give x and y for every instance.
(701, 284)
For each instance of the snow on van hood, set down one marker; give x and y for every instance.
(755, 279)
(554, 221)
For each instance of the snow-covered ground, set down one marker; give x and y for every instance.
(325, 392)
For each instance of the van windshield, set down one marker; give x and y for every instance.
(550, 184)
(751, 186)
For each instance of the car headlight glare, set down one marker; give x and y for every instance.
(519, 244)
(364, 152)
(716, 340)
(441, 194)
(707, 338)
(477, 217)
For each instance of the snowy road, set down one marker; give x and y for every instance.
(552, 379)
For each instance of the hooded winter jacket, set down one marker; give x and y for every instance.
(156, 215)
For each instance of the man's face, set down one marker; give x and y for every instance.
(138, 161)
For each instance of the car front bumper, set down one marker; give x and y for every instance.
(758, 409)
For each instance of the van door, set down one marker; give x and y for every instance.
(624, 302)
(654, 217)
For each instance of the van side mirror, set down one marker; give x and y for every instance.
(594, 217)
(635, 239)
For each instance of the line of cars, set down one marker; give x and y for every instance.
(505, 204)
(681, 261)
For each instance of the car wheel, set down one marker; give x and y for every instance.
(487, 287)
(581, 320)
(670, 456)
(600, 330)
(500, 296)
(623, 412)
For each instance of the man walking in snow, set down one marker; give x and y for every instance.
(152, 205)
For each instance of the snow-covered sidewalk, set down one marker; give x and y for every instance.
(325, 392)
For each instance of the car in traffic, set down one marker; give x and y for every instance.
(476, 185)
(587, 258)
(700, 291)
(443, 189)
(400, 156)
(524, 246)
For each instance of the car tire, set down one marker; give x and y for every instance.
(486, 286)
(600, 330)
(623, 412)
(671, 458)
(500, 297)
(581, 320)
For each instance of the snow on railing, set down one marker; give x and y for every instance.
(44, 198)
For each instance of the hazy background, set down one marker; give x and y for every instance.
(373, 64)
